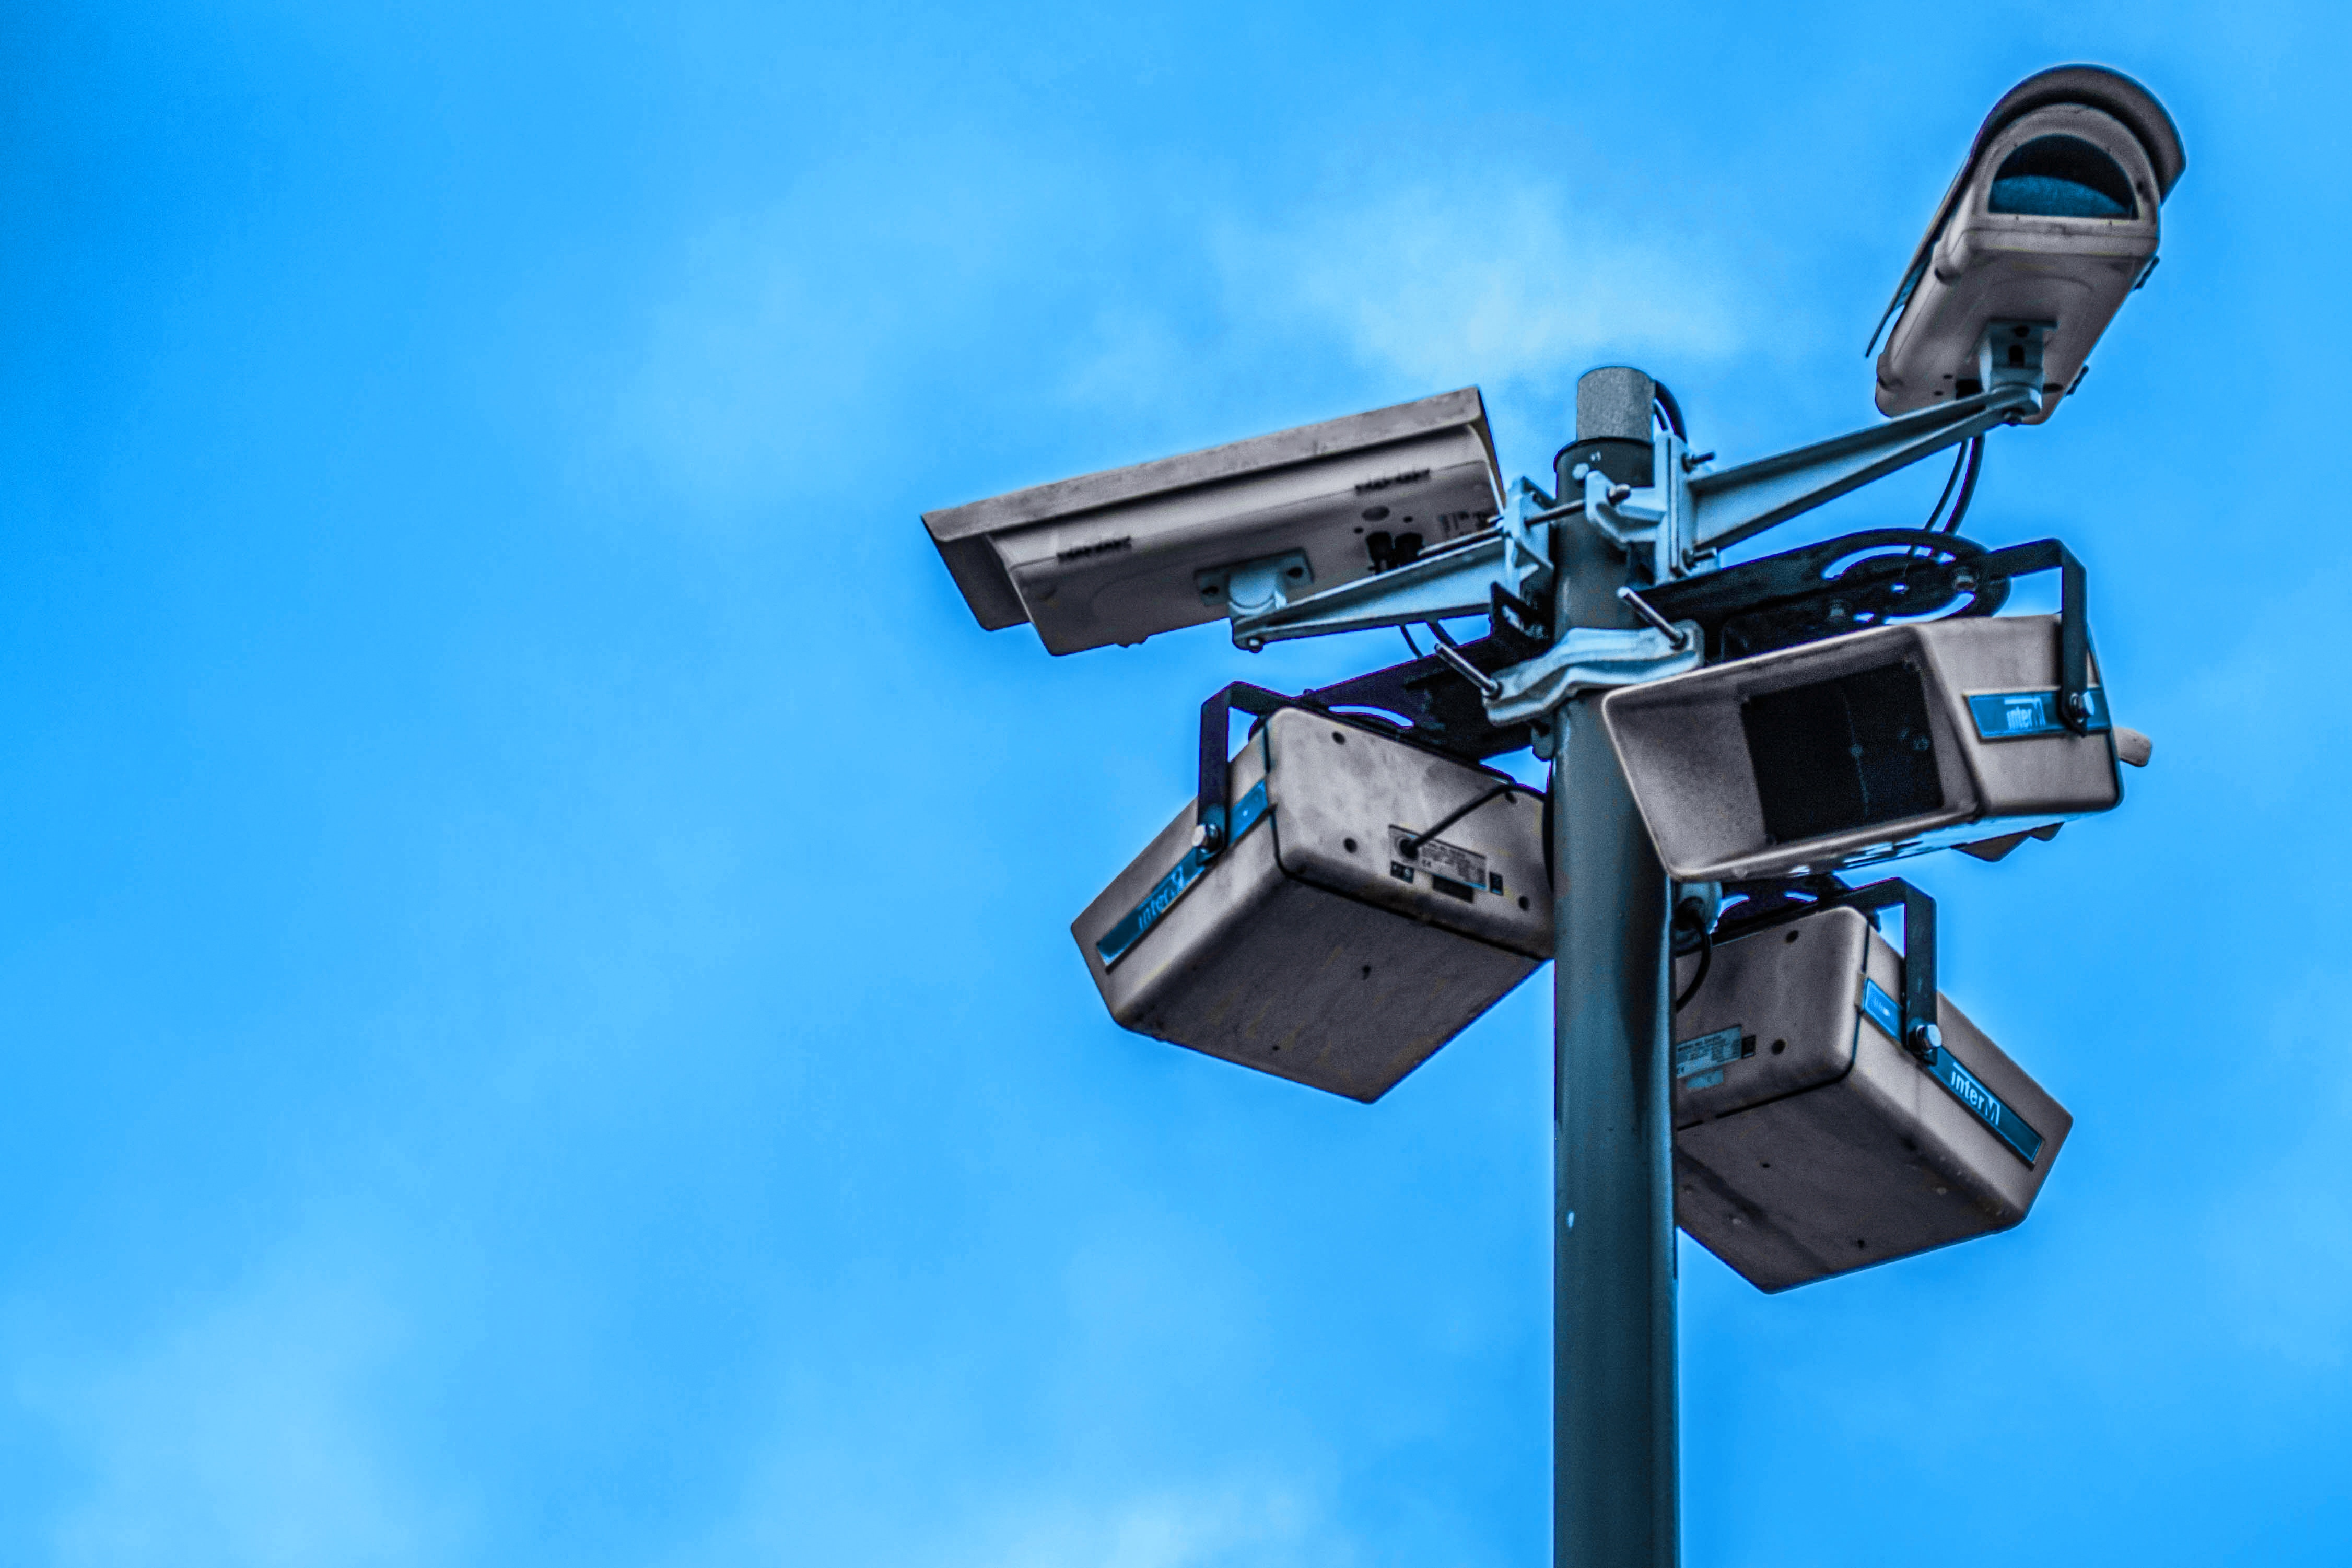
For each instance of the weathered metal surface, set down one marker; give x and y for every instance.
(1309, 949)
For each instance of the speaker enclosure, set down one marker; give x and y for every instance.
(1722, 761)
(1807, 1142)
(1310, 948)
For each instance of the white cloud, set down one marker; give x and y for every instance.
(766, 359)
(1491, 280)
(785, 336)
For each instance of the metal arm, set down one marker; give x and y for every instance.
(1442, 583)
(1725, 507)
(1505, 571)
(1740, 503)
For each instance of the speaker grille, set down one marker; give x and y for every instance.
(1843, 753)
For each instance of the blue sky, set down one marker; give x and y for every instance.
(539, 1020)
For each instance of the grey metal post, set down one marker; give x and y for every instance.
(1614, 1500)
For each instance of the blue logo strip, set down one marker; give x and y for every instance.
(1133, 926)
(1881, 1010)
(2006, 1124)
(2029, 715)
(1958, 1081)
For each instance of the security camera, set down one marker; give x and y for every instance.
(1116, 556)
(2051, 222)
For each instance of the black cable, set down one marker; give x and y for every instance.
(1968, 485)
(1936, 512)
(1706, 961)
(1410, 844)
(1966, 464)
(1406, 632)
(1670, 408)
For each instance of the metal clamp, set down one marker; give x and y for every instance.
(1455, 579)
(1586, 658)
(2010, 355)
(1658, 518)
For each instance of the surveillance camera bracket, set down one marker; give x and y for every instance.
(1736, 504)
(1881, 573)
(1680, 523)
(1254, 587)
(1657, 520)
(1503, 571)
(1431, 702)
(2010, 355)
(1210, 816)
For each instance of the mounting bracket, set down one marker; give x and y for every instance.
(1779, 901)
(1503, 571)
(1588, 656)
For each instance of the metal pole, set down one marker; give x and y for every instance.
(1613, 1448)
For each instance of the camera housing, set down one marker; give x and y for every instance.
(1122, 556)
(2050, 224)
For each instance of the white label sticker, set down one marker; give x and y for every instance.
(1439, 858)
(1701, 1060)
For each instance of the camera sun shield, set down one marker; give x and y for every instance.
(2050, 224)
(1118, 556)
